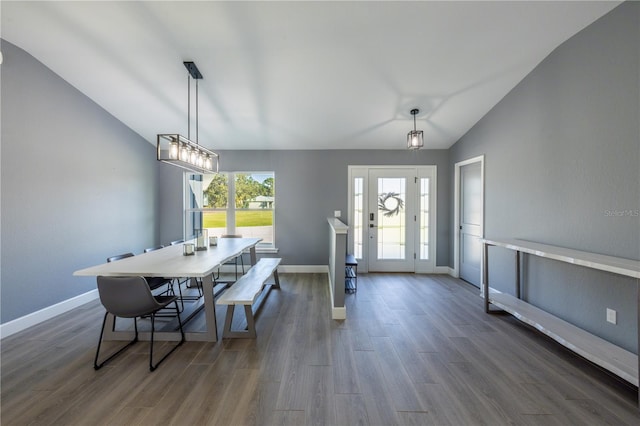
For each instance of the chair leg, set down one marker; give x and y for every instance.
(276, 278)
(241, 263)
(170, 291)
(181, 299)
(236, 265)
(199, 285)
(173, 291)
(198, 282)
(97, 366)
(153, 318)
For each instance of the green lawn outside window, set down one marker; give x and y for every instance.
(243, 218)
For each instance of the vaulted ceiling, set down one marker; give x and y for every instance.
(297, 75)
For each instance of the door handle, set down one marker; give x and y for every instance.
(370, 216)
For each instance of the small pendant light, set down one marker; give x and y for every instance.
(414, 137)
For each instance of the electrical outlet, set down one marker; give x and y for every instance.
(611, 316)
(337, 213)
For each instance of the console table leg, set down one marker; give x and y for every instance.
(485, 275)
(518, 274)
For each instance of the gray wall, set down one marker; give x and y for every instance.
(76, 187)
(171, 217)
(562, 155)
(310, 185)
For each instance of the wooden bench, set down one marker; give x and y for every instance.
(245, 292)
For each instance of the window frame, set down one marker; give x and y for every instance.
(230, 210)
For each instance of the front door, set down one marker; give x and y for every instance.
(391, 219)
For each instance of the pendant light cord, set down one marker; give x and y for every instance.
(197, 113)
(188, 107)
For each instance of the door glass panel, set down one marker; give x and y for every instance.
(391, 218)
(424, 218)
(358, 216)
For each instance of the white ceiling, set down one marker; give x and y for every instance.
(297, 75)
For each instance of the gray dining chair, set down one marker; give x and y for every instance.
(119, 256)
(154, 282)
(131, 297)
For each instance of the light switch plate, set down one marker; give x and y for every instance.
(612, 316)
(337, 213)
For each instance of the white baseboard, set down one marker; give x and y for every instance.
(34, 318)
(303, 269)
(49, 312)
(22, 323)
(339, 313)
(441, 270)
(285, 269)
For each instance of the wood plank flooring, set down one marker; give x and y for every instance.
(415, 350)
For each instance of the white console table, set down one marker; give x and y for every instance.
(599, 351)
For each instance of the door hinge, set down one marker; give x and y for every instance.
(415, 218)
(414, 256)
(415, 179)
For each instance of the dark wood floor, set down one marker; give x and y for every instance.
(415, 349)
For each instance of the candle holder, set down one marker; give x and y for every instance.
(188, 249)
(213, 241)
(202, 239)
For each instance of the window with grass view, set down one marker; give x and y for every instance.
(239, 203)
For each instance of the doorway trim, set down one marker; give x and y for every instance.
(456, 210)
(360, 171)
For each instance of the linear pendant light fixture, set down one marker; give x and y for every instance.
(182, 152)
(414, 137)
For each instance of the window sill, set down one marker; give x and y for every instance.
(264, 250)
(272, 250)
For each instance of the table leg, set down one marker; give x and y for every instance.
(209, 309)
(252, 253)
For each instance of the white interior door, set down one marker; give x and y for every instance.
(391, 220)
(471, 219)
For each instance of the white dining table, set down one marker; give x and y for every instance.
(170, 262)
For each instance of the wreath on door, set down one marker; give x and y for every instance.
(390, 203)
